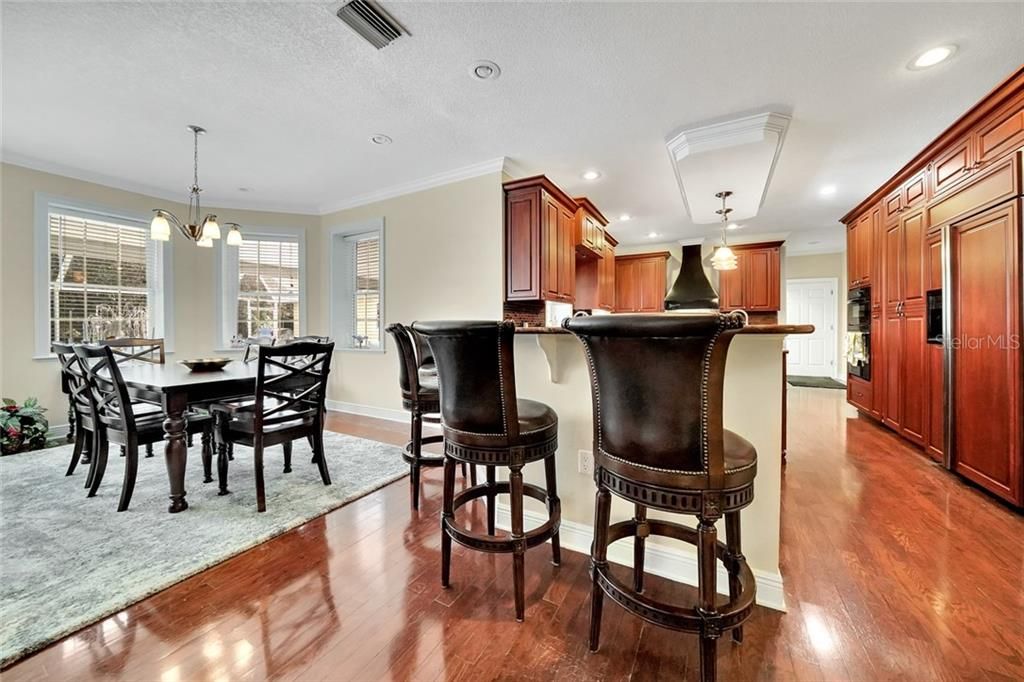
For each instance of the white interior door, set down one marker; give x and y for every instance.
(812, 301)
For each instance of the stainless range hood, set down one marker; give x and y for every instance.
(692, 292)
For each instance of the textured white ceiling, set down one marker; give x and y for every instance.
(290, 96)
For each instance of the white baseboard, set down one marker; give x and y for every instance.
(58, 431)
(665, 562)
(368, 410)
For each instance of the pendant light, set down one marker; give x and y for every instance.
(723, 257)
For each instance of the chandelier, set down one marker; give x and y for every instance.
(724, 258)
(202, 233)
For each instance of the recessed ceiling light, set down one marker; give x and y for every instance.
(625, 216)
(591, 175)
(652, 235)
(932, 57)
(827, 190)
(484, 70)
(380, 139)
(733, 226)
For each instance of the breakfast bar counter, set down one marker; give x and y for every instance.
(551, 367)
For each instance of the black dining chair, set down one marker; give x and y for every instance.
(129, 424)
(77, 387)
(253, 345)
(291, 387)
(144, 350)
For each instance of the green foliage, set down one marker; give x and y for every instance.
(22, 427)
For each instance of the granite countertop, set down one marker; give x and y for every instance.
(749, 329)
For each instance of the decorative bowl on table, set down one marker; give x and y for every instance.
(206, 364)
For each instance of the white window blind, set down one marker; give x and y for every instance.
(102, 274)
(268, 286)
(366, 322)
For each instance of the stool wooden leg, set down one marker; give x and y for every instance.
(598, 557)
(553, 507)
(707, 538)
(491, 500)
(515, 479)
(639, 545)
(222, 469)
(414, 466)
(447, 516)
(472, 474)
(207, 457)
(732, 541)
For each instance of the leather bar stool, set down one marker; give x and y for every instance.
(485, 423)
(418, 380)
(657, 384)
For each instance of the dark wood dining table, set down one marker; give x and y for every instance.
(176, 388)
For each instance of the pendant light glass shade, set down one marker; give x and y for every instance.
(211, 229)
(234, 237)
(205, 242)
(724, 259)
(159, 228)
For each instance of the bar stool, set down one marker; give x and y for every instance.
(657, 384)
(418, 381)
(485, 423)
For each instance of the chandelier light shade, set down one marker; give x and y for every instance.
(201, 232)
(723, 257)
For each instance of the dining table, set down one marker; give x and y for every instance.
(177, 388)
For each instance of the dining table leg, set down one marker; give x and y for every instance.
(176, 452)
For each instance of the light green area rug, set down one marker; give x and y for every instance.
(67, 561)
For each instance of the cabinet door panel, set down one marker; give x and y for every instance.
(951, 166)
(878, 362)
(1003, 134)
(757, 275)
(935, 444)
(522, 247)
(651, 273)
(914, 190)
(893, 266)
(891, 206)
(730, 285)
(987, 411)
(913, 400)
(852, 249)
(913, 256)
(893, 334)
(549, 248)
(864, 246)
(566, 255)
(626, 294)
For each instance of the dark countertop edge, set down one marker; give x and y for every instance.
(749, 329)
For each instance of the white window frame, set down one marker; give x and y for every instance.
(341, 300)
(227, 281)
(160, 280)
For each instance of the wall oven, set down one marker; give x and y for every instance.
(858, 333)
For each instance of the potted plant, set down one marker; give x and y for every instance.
(22, 427)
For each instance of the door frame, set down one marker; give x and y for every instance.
(839, 373)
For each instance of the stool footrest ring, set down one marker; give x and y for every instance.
(503, 544)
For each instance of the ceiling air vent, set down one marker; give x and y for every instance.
(371, 22)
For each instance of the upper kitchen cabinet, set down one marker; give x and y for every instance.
(755, 285)
(589, 229)
(540, 234)
(595, 279)
(860, 238)
(641, 282)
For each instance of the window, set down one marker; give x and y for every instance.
(366, 291)
(103, 276)
(263, 283)
(357, 285)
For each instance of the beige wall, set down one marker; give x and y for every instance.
(442, 259)
(822, 265)
(194, 277)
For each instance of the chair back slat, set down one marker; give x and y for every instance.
(75, 379)
(146, 350)
(112, 406)
(291, 382)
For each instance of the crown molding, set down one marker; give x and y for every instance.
(437, 180)
(211, 201)
(500, 164)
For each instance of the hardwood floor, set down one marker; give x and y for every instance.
(894, 569)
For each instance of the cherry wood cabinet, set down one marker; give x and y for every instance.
(755, 285)
(640, 282)
(540, 233)
(595, 279)
(589, 230)
(966, 188)
(985, 252)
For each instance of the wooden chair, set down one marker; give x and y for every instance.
(80, 416)
(657, 384)
(130, 424)
(143, 350)
(485, 423)
(291, 387)
(253, 345)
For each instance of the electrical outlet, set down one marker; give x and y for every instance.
(586, 462)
